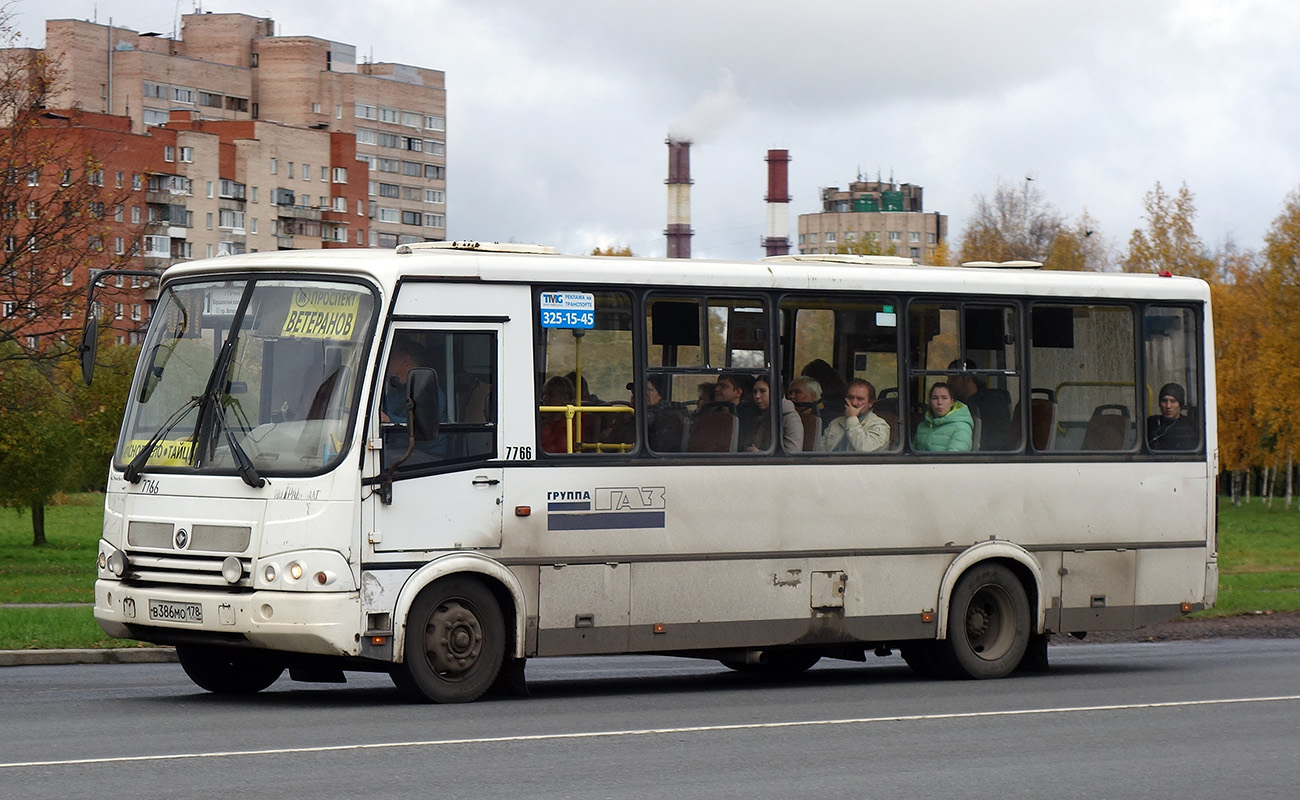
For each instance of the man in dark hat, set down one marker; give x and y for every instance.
(1173, 428)
(992, 409)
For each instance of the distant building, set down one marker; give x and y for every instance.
(892, 215)
(233, 68)
(228, 139)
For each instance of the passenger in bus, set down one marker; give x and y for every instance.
(704, 394)
(554, 435)
(407, 354)
(806, 394)
(736, 389)
(1174, 428)
(859, 430)
(791, 426)
(991, 407)
(833, 386)
(665, 421)
(947, 425)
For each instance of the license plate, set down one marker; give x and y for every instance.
(168, 611)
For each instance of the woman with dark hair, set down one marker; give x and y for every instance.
(665, 421)
(1173, 428)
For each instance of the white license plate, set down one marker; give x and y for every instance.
(168, 611)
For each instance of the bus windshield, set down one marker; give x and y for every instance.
(259, 376)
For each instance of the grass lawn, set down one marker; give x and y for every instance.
(1259, 570)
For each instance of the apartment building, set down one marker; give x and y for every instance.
(316, 108)
(883, 216)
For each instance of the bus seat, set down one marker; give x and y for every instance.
(714, 432)
(894, 429)
(812, 431)
(976, 429)
(1042, 418)
(1108, 428)
(476, 405)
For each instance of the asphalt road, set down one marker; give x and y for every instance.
(1203, 719)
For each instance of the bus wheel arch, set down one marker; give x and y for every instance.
(502, 583)
(992, 613)
(455, 644)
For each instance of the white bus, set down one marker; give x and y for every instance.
(446, 459)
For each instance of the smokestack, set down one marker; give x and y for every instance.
(679, 199)
(777, 241)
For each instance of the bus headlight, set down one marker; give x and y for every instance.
(270, 572)
(294, 571)
(232, 569)
(117, 563)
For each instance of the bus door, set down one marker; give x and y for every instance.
(446, 493)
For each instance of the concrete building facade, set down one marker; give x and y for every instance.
(873, 215)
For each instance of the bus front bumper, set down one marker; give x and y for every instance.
(325, 623)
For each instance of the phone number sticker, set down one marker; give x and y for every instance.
(568, 310)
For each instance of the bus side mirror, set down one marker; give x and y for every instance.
(86, 351)
(423, 403)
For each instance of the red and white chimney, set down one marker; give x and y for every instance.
(777, 240)
(679, 199)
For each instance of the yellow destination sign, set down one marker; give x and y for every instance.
(322, 314)
(167, 453)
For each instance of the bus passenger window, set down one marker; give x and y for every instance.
(1172, 380)
(584, 374)
(1082, 357)
(704, 358)
(840, 371)
(972, 351)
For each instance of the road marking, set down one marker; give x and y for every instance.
(547, 737)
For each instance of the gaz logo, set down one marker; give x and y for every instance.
(625, 498)
(182, 538)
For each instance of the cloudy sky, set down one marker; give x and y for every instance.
(557, 111)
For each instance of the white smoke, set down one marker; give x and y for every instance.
(710, 114)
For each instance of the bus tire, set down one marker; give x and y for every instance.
(455, 643)
(923, 658)
(228, 671)
(988, 624)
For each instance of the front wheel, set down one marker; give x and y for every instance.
(228, 671)
(455, 643)
(988, 624)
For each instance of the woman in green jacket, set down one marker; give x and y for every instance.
(947, 426)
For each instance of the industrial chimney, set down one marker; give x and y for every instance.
(679, 199)
(777, 241)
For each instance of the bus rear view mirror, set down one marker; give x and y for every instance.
(424, 402)
(86, 352)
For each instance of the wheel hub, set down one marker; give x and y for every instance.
(454, 639)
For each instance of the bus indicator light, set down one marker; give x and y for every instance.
(927, 616)
(659, 627)
(523, 511)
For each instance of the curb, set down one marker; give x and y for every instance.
(111, 655)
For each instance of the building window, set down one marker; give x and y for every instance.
(96, 177)
(895, 236)
(252, 194)
(389, 190)
(231, 220)
(34, 177)
(239, 104)
(366, 111)
(435, 147)
(389, 140)
(389, 215)
(169, 153)
(914, 237)
(434, 122)
(413, 143)
(252, 225)
(118, 179)
(389, 165)
(66, 278)
(118, 247)
(209, 99)
(389, 115)
(154, 116)
(306, 172)
(275, 166)
(315, 108)
(187, 155)
(135, 311)
(340, 174)
(435, 172)
(830, 237)
(155, 90)
(341, 204)
(136, 181)
(367, 136)
(412, 169)
(435, 221)
(410, 120)
(182, 95)
(135, 215)
(410, 217)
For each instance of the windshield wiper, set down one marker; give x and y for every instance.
(135, 469)
(243, 464)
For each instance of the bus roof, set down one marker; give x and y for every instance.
(535, 265)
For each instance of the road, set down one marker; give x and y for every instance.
(1206, 719)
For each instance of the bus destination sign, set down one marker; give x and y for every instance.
(568, 310)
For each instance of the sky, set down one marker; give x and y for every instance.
(558, 111)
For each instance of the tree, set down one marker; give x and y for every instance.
(1170, 242)
(57, 208)
(1277, 307)
(37, 438)
(1079, 247)
(1239, 328)
(867, 245)
(612, 250)
(1016, 224)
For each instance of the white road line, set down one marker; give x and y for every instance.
(544, 737)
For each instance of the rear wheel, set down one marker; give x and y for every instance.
(228, 671)
(455, 643)
(988, 624)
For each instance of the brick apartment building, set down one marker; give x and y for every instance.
(236, 140)
(892, 214)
